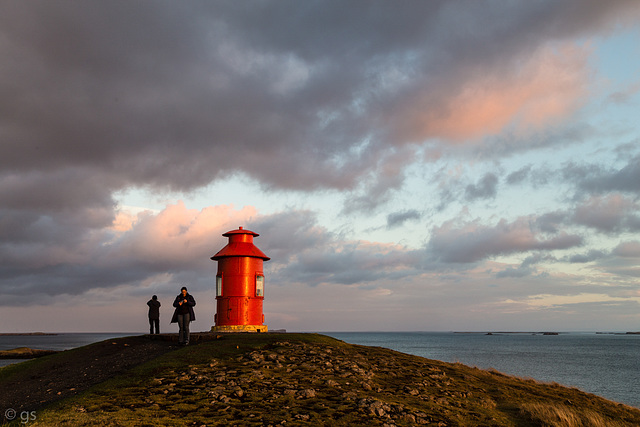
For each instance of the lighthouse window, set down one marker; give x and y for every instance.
(218, 286)
(259, 286)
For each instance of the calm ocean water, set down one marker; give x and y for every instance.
(604, 364)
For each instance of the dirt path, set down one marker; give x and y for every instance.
(54, 378)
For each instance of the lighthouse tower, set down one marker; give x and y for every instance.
(239, 284)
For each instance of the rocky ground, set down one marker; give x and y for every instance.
(307, 379)
(297, 374)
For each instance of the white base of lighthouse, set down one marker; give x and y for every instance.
(240, 328)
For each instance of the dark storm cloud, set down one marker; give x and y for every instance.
(592, 255)
(396, 219)
(472, 241)
(551, 222)
(57, 190)
(452, 190)
(352, 263)
(304, 252)
(290, 233)
(519, 175)
(174, 95)
(628, 249)
(526, 268)
(97, 97)
(596, 179)
(387, 175)
(609, 214)
(485, 188)
(508, 143)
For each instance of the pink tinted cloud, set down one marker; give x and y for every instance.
(535, 89)
(177, 235)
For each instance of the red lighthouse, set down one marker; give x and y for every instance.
(240, 284)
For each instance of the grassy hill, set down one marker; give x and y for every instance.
(304, 379)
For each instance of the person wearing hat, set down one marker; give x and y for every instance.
(183, 314)
(154, 314)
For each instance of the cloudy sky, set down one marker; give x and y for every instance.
(441, 165)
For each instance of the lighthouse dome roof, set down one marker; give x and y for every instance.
(240, 245)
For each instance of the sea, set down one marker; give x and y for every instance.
(605, 364)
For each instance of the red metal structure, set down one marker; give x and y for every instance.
(240, 284)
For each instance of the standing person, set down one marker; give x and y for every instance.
(154, 314)
(183, 314)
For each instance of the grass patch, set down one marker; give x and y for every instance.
(559, 415)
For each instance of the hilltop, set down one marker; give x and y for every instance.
(292, 379)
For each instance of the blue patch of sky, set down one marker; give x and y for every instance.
(617, 62)
(618, 57)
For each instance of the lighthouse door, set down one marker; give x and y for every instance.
(237, 311)
(232, 311)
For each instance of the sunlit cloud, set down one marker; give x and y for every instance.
(532, 91)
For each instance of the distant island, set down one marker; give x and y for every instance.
(509, 333)
(24, 334)
(617, 333)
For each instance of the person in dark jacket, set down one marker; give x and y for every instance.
(183, 314)
(154, 314)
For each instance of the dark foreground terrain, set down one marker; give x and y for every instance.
(283, 379)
